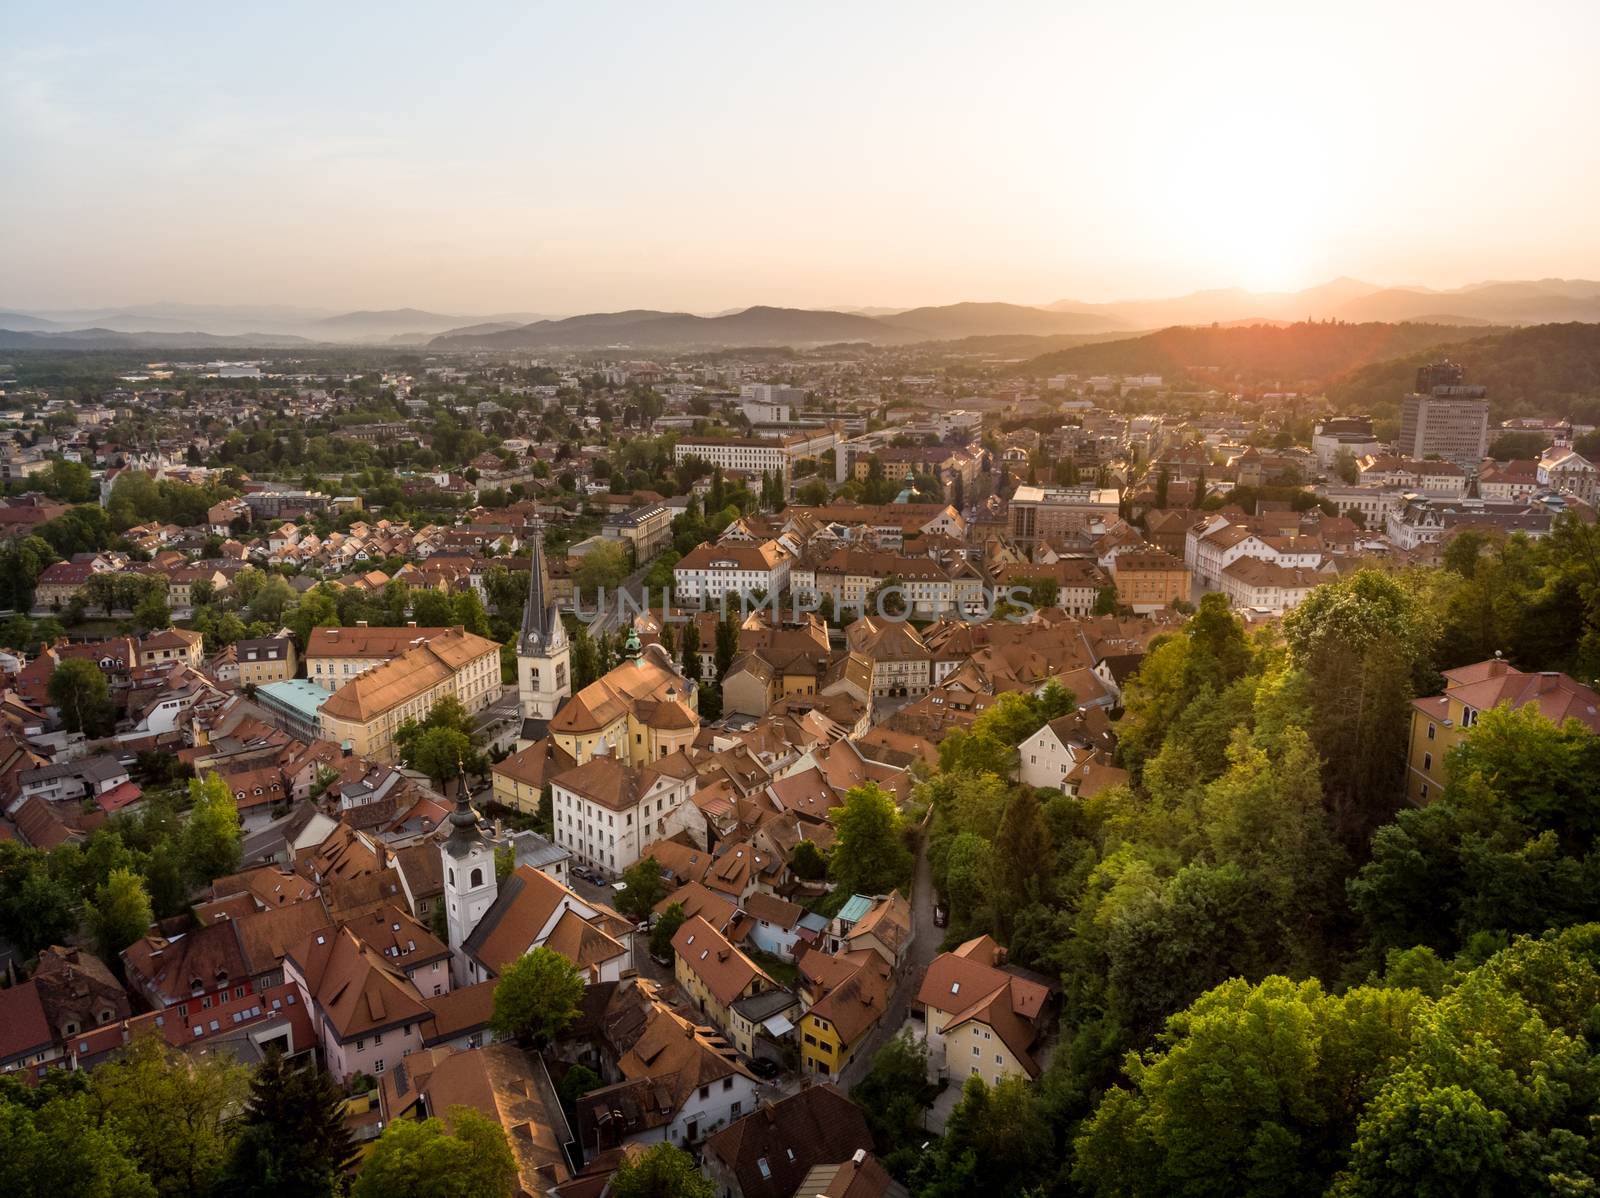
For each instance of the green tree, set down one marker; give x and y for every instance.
(1364, 642)
(152, 611)
(666, 928)
(896, 1095)
(997, 1141)
(120, 913)
(441, 754)
(691, 651)
(469, 1158)
(173, 1110)
(79, 691)
(61, 1147)
(537, 996)
(211, 839)
(1257, 1090)
(664, 1171)
(294, 1139)
(727, 643)
(869, 855)
(603, 566)
(643, 889)
(807, 861)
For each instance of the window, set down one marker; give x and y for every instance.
(998, 1059)
(705, 1091)
(360, 1045)
(377, 1066)
(975, 1050)
(1431, 728)
(377, 1039)
(727, 1083)
(477, 877)
(1427, 761)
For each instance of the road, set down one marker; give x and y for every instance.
(612, 618)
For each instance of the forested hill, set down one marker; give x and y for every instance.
(1254, 355)
(1547, 370)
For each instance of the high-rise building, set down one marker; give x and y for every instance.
(1444, 418)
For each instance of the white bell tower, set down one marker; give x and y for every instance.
(544, 658)
(470, 887)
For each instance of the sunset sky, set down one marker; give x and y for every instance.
(583, 156)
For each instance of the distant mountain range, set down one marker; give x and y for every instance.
(176, 326)
(646, 329)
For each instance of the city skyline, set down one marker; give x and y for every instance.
(533, 160)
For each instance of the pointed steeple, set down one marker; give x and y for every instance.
(465, 832)
(541, 623)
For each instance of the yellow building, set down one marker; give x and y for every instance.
(1439, 722)
(265, 659)
(172, 644)
(181, 584)
(336, 655)
(642, 710)
(369, 709)
(848, 996)
(520, 779)
(713, 972)
(1148, 581)
(979, 1018)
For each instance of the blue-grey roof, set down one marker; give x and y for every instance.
(854, 909)
(299, 695)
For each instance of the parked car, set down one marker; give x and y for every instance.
(762, 1067)
(940, 915)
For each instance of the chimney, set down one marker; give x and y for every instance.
(411, 623)
(1548, 680)
(860, 1157)
(361, 623)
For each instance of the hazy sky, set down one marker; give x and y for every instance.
(570, 157)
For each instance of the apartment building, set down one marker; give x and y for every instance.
(369, 709)
(1040, 512)
(336, 655)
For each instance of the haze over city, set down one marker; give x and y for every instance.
(877, 600)
(564, 159)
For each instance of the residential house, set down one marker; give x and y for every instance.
(713, 972)
(1439, 722)
(770, 1152)
(980, 1017)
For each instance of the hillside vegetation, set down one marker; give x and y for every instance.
(1546, 370)
(1256, 355)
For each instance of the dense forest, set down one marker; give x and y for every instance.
(1257, 355)
(1545, 370)
(1277, 978)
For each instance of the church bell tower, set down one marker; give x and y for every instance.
(470, 886)
(544, 659)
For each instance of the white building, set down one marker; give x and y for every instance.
(1560, 469)
(708, 572)
(606, 811)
